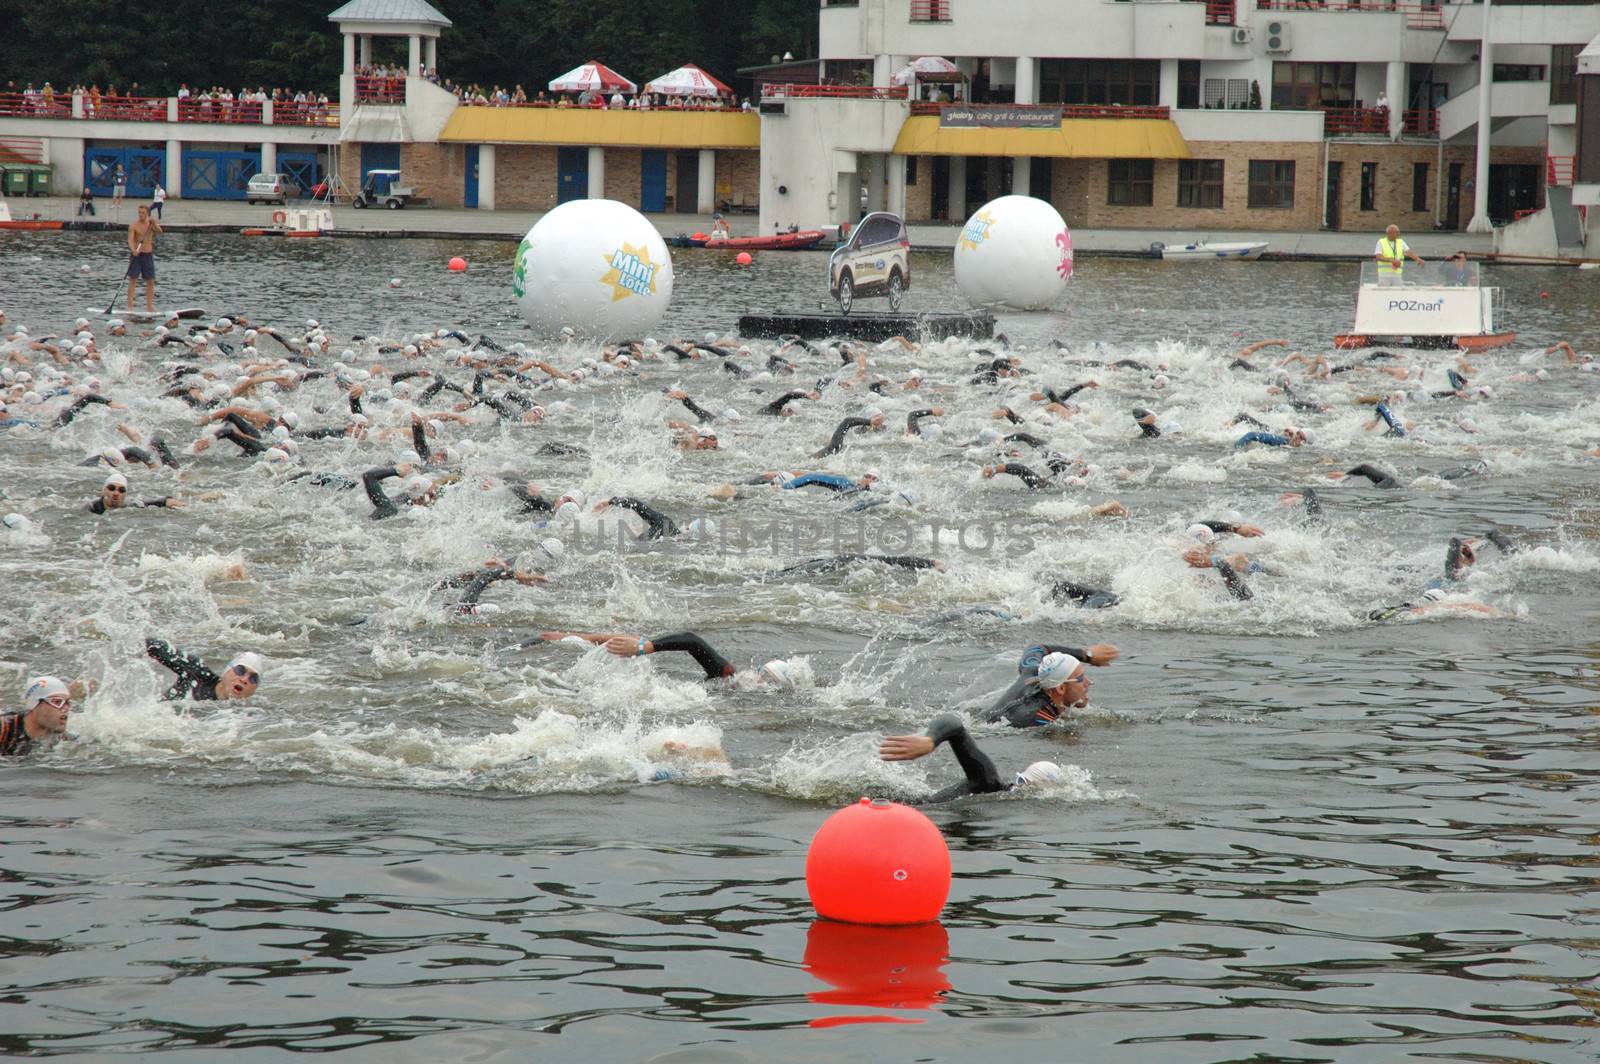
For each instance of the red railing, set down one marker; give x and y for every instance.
(839, 92)
(930, 10)
(1424, 123)
(35, 106)
(1419, 16)
(305, 114)
(380, 90)
(1354, 121)
(223, 112)
(22, 149)
(1068, 110)
(1219, 12)
(1560, 169)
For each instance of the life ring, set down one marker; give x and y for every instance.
(279, 217)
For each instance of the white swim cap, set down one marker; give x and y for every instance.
(1485, 391)
(81, 323)
(280, 433)
(575, 496)
(1047, 772)
(906, 497)
(115, 480)
(410, 458)
(873, 473)
(116, 323)
(358, 419)
(930, 432)
(915, 374)
(43, 687)
(1056, 669)
(781, 672)
(706, 432)
(418, 486)
(989, 436)
(275, 454)
(249, 659)
(731, 414)
(111, 456)
(1201, 533)
(1433, 594)
(14, 520)
(569, 510)
(702, 528)
(552, 548)
(872, 412)
(291, 419)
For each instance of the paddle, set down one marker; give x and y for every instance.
(118, 290)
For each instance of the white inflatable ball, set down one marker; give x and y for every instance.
(1015, 252)
(597, 267)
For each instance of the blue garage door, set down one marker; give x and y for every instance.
(218, 174)
(653, 181)
(143, 166)
(379, 157)
(303, 166)
(572, 174)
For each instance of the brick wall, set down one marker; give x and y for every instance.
(524, 177)
(919, 197)
(739, 177)
(436, 171)
(624, 175)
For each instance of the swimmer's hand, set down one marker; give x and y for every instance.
(1248, 531)
(904, 747)
(1103, 654)
(1109, 509)
(1291, 498)
(174, 504)
(526, 577)
(628, 646)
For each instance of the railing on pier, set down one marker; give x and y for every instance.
(836, 92)
(370, 89)
(1560, 169)
(1419, 16)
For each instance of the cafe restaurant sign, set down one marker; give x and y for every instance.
(1009, 116)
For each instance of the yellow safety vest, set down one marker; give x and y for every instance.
(1392, 252)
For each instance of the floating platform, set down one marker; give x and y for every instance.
(974, 325)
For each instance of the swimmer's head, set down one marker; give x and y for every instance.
(781, 673)
(1057, 669)
(1434, 594)
(906, 498)
(1040, 773)
(1201, 533)
(871, 476)
(702, 528)
(241, 677)
(419, 488)
(552, 548)
(44, 688)
(15, 521)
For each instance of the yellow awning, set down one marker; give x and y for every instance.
(602, 127)
(1077, 138)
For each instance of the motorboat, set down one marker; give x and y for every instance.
(1207, 250)
(1435, 305)
(35, 223)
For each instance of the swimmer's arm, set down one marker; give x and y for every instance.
(1250, 349)
(372, 480)
(1565, 348)
(419, 438)
(1098, 654)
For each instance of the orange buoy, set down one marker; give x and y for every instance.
(743, 258)
(698, 236)
(458, 264)
(878, 862)
(1544, 295)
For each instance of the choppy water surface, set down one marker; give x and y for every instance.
(1285, 833)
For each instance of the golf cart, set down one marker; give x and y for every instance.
(383, 186)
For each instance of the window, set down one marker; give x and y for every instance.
(1419, 186)
(1271, 183)
(1308, 86)
(1563, 72)
(1518, 72)
(1200, 183)
(1099, 81)
(1188, 83)
(1230, 93)
(1130, 182)
(1369, 186)
(911, 169)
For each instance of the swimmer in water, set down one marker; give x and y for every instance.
(420, 490)
(1291, 437)
(872, 419)
(658, 525)
(630, 645)
(195, 681)
(819, 566)
(779, 407)
(1377, 477)
(477, 581)
(690, 438)
(1385, 415)
(981, 775)
(1050, 680)
(49, 702)
(114, 496)
(843, 485)
(1082, 596)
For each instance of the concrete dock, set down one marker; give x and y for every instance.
(223, 216)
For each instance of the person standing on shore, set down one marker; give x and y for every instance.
(119, 185)
(142, 233)
(158, 199)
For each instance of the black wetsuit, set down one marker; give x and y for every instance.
(701, 413)
(65, 417)
(1088, 598)
(532, 503)
(14, 738)
(372, 480)
(915, 416)
(194, 679)
(661, 526)
(1063, 397)
(99, 505)
(1033, 480)
(836, 443)
(1379, 478)
(841, 561)
(1025, 704)
(715, 665)
(981, 775)
(1150, 431)
(775, 408)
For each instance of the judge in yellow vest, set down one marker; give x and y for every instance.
(1392, 253)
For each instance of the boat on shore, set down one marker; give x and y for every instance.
(1207, 251)
(34, 223)
(295, 222)
(801, 240)
(1429, 306)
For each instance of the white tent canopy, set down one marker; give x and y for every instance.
(593, 76)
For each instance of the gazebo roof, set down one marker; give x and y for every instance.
(412, 12)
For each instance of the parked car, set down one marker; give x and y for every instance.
(874, 261)
(271, 188)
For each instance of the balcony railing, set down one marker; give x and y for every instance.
(1068, 110)
(1220, 12)
(1355, 121)
(836, 92)
(222, 112)
(1419, 16)
(34, 105)
(930, 10)
(155, 109)
(380, 90)
(305, 114)
(1422, 123)
(1560, 169)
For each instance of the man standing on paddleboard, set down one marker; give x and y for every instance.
(142, 233)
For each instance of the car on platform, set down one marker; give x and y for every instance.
(875, 260)
(270, 188)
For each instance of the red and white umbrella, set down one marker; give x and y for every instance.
(927, 68)
(688, 80)
(593, 76)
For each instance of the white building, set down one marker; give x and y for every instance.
(1276, 114)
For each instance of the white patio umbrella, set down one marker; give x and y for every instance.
(593, 76)
(927, 68)
(687, 80)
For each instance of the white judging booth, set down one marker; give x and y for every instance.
(1436, 302)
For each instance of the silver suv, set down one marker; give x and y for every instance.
(875, 261)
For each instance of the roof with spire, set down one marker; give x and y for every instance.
(412, 12)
